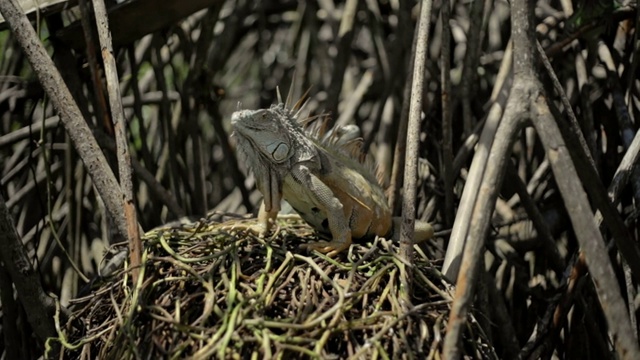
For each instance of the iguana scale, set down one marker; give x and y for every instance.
(322, 175)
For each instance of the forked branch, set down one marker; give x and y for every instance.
(528, 102)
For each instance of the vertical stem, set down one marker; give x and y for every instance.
(344, 39)
(411, 165)
(447, 127)
(470, 63)
(119, 126)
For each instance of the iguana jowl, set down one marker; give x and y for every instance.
(320, 176)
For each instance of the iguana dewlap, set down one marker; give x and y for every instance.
(320, 176)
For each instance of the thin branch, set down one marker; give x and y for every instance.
(411, 165)
(25, 132)
(155, 187)
(88, 31)
(447, 127)
(453, 256)
(10, 311)
(344, 39)
(119, 126)
(624, 171)
(397, 166)
(395, 183)
(469, 71)
(544, 234)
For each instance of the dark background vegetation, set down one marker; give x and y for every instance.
(180, 84)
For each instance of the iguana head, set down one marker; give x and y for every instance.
(272, 142)
(270, 133)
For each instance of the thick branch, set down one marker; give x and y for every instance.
(482, 209)
(521, 32)
(70, 115)
(587, 232)
(38, 306)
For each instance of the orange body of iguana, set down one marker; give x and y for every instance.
(319, 174)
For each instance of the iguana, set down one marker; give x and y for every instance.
(320, 173)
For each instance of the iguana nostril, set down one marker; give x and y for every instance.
(236, 117)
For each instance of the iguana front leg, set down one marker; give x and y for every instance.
(330, 206)
(271, 187)
(265, 218)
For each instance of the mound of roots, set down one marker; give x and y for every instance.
(212, 289)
